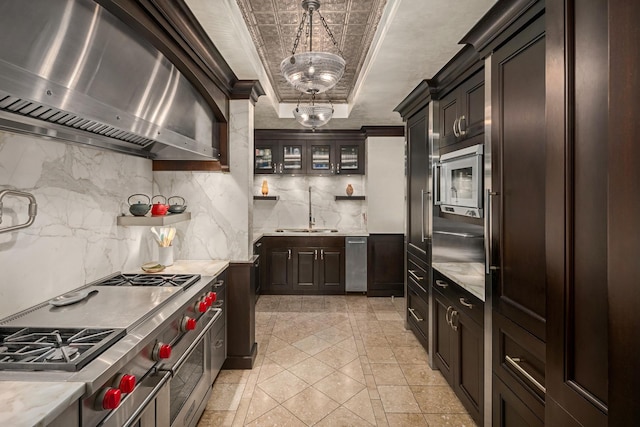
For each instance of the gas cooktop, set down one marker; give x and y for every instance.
(66, 349)
(165, 280)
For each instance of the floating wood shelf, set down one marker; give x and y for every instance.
(350, 198)
(153, 220)
(266, 197)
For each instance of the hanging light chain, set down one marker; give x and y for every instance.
(326, 27)
(299, 34)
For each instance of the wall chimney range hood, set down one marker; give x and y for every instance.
(70, 70)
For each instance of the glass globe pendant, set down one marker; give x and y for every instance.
(312, 72)
(312, 115)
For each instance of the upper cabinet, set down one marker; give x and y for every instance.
(462, 111)
(320, 153)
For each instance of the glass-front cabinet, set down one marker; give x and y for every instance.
(350, 158)
(327, 155)
(321, 158)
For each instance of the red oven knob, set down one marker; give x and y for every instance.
(187, 324)
(108, 398)
(201, 306)
(126, 383)
(161, 351)
(211, 297)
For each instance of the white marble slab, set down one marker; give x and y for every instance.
(80, 191)
(35, 403)
(469, 275)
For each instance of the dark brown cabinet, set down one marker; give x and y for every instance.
(462, 111)
(418, 192)
(518, 179)
(304, 265)
(459, 352)
(321, 153)
(385, 265)
(509, 410)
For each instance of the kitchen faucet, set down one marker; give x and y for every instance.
(312, 220)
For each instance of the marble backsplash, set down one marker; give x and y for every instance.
(292, 209)
(74, 240)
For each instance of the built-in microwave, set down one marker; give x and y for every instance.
(458, 185)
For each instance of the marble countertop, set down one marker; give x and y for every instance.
(469, 275)
(340, 233)
(35, 403)
(202, 267)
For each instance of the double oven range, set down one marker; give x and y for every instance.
(146, 346)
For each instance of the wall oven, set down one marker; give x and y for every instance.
(458, 184)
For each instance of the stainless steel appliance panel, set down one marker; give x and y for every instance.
(72, 63)
(109, 307)
(356, 264)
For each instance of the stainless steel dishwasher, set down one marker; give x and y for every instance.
(356, 264)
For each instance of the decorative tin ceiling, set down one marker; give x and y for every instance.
(273, 25)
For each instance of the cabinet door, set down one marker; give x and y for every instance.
(443, 338)
(331, 277)
(266, 158)
(321, 158)
(350, 157)
(418, 313)
(305, 269)
(417, 186)
(518, 176)
(385, 271)
(293, 157)
(508, 410)
(279, 272)
(471, 119)
(468, 373)
(449, 112)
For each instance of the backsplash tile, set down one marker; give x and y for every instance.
(292, 209)
(74, 240)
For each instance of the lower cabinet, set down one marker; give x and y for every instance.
(385, 265)
(509, 410)
(458, 347)
(304, 265)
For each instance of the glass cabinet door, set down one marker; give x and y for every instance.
(350, 159)
(264, 160)
(292, 158)
(321, 157)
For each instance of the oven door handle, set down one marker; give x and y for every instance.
(176, 366)
(143, 406)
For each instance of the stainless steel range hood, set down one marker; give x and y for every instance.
(70, 70)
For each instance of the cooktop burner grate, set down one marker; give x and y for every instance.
(167, 280)
(66, 349)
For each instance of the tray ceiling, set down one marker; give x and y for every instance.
(273, 25)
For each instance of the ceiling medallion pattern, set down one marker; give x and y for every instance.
(273, 25)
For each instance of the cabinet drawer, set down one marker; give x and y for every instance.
(417, 310)
(419, 278)
(519, 361)
(509, 410)
(461, 299)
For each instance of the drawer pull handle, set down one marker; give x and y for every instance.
(218, 284)
(415, 276)
(465, 303)
(454, 313)
(513, 361)
(418, 285)
(219, 344)
(412, 311)
(441, 283)
(288, 253)
(446, 316)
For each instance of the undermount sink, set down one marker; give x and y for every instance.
(306, 230)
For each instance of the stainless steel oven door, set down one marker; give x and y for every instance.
(146, 406)
(459, 182)
(190, 385)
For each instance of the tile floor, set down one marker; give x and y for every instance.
(334, 361)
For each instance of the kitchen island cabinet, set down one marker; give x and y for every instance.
(313, 265)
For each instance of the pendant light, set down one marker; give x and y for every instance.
(313, 115)
(312, 72)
